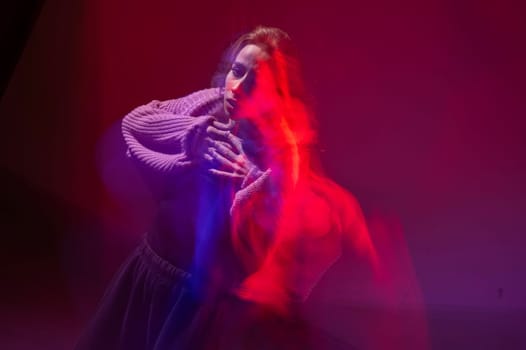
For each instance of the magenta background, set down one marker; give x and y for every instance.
(421, 107)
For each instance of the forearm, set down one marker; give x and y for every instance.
(158, 136)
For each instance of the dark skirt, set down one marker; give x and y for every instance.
(146, 292)
(149, 306)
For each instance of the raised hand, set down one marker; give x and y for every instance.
(225, 152)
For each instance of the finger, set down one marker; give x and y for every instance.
(209, 160)
(213, 131)
(225, 149)
(226, 134)
(236, 142)
(214, 143)
(222, 160)
(232, 139)
(208, 157)
(224, 126)
(226, 174)
(225, 162)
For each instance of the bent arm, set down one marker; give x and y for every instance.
(158, 136)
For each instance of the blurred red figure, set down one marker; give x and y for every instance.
(247, 222)
(291, 233)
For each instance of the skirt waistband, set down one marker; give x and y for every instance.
(165, 266)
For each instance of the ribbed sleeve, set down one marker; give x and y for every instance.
(254, 183)
(155, 137)
(157, 133)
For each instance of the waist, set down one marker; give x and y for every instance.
(209, 259)
(172, 247)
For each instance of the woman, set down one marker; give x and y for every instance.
(246, 225)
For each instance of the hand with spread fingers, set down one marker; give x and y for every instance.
(225, 152)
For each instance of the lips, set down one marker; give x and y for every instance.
(232, 103)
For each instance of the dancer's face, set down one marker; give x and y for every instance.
(247, 79)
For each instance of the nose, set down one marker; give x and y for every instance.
(237, 86)
(243, 86)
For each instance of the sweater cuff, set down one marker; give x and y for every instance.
(199, 126)
(253, 183)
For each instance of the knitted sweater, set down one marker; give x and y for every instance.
(193, 206)
(157, 135)
(157, 138)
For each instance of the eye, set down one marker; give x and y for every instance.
(238, 70)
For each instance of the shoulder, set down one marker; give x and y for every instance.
(334, 194)
(202, 102)
(338, 209)
(318, 202)
(331, 204)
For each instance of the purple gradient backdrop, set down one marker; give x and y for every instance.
(422, 117)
